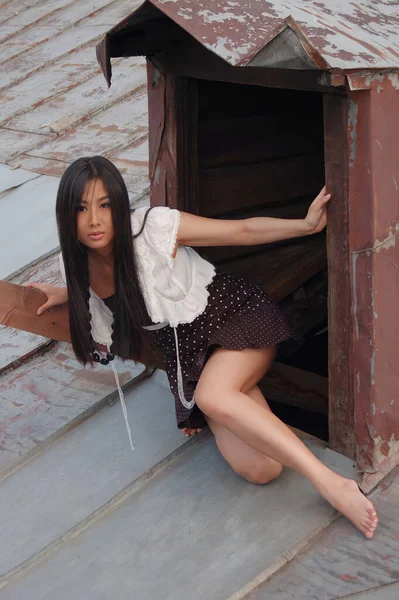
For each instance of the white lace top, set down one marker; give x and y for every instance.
(174, 289)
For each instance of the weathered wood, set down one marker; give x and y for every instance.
(244, 139)
(341, 413)
(226, 189)
(226, 99)
(296, 387)
(188, 146)
(282, 270)
(18, 307)
(164, 99)
(191, 59)
(312, 311)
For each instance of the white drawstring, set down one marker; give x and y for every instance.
(180, 388)
(123, 404)
(179, 376)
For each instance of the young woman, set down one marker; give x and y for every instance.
(218, 333)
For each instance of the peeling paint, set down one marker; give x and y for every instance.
(372, 368)
(389, 241)
(383, 448)
(352, 118)
(394, 79)
(354, 292)
(344, 35)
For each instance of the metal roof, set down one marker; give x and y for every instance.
(54, 108)
(361, 34)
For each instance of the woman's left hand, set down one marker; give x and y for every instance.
(189, 431)
(316, 219)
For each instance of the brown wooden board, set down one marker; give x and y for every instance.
(257, 138)
(296, 387)
(225, 100)
(188, 147)
(341, 413)
(309, 308)
(283, 269)
(18, 307)
(165, 107)
(226, 189)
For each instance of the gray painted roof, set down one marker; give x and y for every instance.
(54, 108)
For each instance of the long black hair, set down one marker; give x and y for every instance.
(129, 341)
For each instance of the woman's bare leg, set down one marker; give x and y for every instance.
(251, 464)
(222, 395)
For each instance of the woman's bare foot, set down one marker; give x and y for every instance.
(345, 496)
(189, 431)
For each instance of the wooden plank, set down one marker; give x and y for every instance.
(165, 100)
(188, 151)
(341, 413)
(283, 269)
(226, 189)
(18, 306)
(296, 387)
(220, 100)
(258, 138)
(308, 309)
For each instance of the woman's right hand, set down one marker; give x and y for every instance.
(55, 295)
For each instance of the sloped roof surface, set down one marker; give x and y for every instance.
(54, 108)
(340, 33)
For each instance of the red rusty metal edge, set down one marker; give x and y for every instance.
(103, 48)
(307, 46)
(367, 80)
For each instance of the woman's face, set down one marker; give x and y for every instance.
(94, 217)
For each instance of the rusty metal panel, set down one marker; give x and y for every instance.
(374, 247)
(13, 143)
(14, 7)
(106, 133)
(60, 99)
(11, 178)
(133, 164)
(17, 346)
(114, 12)
(45, 393)
(30, 62)
(342, 35)
(65, 74)
(48, 19)
(33, 11)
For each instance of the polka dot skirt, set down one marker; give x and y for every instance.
(238, 316)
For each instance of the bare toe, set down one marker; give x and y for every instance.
(345, 496)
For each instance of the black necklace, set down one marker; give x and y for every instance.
(97, 357)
